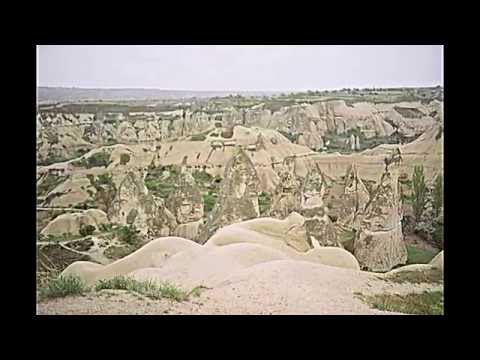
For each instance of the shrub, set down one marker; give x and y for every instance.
(86, 230)
(128, 234)
(198, 137)
(263, 202)
(419, 192)
(418, 256)
(202, 176)
(147, 288)
(100, 159)
(209, 200)
(63, 286)
(438, 195)
(106, 227)
(426, 303)
(124, 159)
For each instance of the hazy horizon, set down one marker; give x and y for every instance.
(246, 68)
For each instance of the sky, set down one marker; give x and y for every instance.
(239, 67)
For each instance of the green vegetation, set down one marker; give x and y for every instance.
(124, 159)
(106, 227)
(118, 252)
(86, 230)
(49, 183)
(419, 256)
(159, 187)
(416, 276)
(62, 286)
(419, 192)
(100, 159)
(438, 194)
(106, 190)
(426, 303)
(202, 177)
(438, 233)
(159, 184)
(149, 289)
(128, 234)
(264, 202)
(198, 137)
(209, 200)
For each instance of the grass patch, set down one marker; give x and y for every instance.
(198, 137)
(426, 303)
(264, 202)
(419, 256)
(128, 234)
(158, 183)
(149, 289)
(100, 159)
(49, 183)
(209, 201)
(62, 286)
(416, 277)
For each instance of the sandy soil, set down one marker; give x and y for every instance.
(275, 289)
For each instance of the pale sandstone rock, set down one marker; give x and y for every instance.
(71, 222)
(238, 197)
(379, 245)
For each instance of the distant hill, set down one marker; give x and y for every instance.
(60, 94)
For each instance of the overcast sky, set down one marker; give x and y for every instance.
(253, 67)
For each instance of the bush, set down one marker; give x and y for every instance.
(147, 288)
(86, 230)
(426, 303)
(124, 159)
(209, 200)
(63, 286)
(198, 137)
(263, 202)
(202, 176)
(418, 256)
(419, 192)
(128, 234)
(99, 159)
(438, 195)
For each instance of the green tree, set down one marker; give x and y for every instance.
(438, 194)
(419, 191)
(86, 230)
(106, 191)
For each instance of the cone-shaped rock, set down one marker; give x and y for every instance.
(238, 198)
(379, 245)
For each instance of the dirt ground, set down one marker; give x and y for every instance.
(334, 295)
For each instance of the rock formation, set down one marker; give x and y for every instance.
(71, 223)
(379, 245)
(287, 195)
(134, 205)
(348, 199)
(186, 204)
(319, 227)
(238, 198)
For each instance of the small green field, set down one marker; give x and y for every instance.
(426, 303)
(417, 255)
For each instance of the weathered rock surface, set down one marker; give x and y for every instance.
(186, 201)
(238, 198)
(347, 199)
(134, 205)
(319, 227)
(437, 261)
(287, 195)
(379, 245)
(70, 223)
